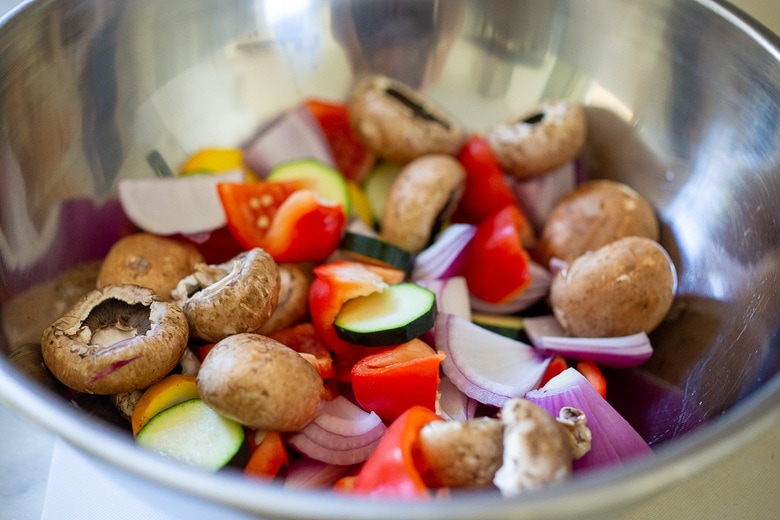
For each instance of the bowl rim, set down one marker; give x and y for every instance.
(609, 488)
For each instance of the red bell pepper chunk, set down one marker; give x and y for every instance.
(291, 223)
(268, 457)
(397, 378)
(394, 468)
(352, 158)
(497, 267)
(486, 188)
(303, 339)
(333, 285)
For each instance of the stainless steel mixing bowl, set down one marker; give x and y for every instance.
(684, 105)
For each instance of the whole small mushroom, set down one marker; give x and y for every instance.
(149, 261)
(260, 383)
(623, 288)
(116, 339)
(398, 123)
(594, 214)
(422, 197)
(229, 298)
(539, 139)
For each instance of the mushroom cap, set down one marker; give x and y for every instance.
(423, 196)
(623, 288)
(149, 261)
(229, 298)
(398, 123)
(116, 339)
(260, 383)
(596, 213)
(540, 139)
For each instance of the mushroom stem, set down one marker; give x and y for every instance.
(461, 453)
(537, 448)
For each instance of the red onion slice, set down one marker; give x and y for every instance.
(295, 134)
(452, 297)
(546, 334)
(614, 439)
(536, 291)
(342, 433)
(486, 366)
(538, 196)
(454, 405)
(169, 205)
(446, 256)
(306, 473)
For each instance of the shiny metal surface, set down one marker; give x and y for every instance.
(684, 104)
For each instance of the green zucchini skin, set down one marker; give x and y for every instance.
(378, 251)
(328, 182)
(396, 315)
(509, 326)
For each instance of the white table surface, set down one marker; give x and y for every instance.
(35, 466)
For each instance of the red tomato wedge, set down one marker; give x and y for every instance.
(393, 469)
(486, 188)
(397, 378)
(290, 222)
(497, 267)
(334, 284)
(352, 158)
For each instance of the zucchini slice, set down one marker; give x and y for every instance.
(376, 251)
(396, 315)
(377, 185)
(328, 182)
(193, 433)
(508, 326)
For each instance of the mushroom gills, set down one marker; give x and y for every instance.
(419, 111)
(113, 321)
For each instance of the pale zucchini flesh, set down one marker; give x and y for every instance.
(396, 315)
(192, 433)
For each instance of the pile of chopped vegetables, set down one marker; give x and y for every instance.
(365, 297)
